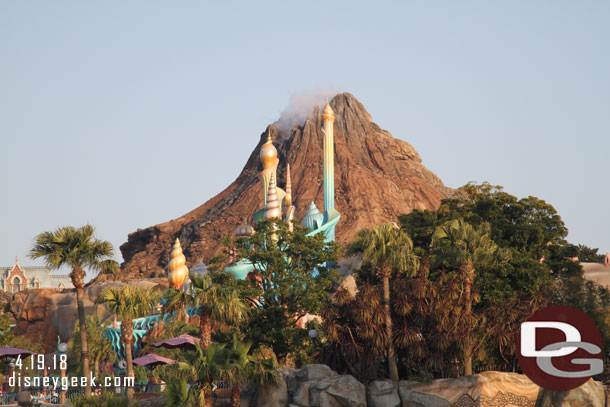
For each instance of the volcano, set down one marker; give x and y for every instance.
(377, 178)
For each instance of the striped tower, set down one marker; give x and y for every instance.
(268, 156)
(288, 197)
(328, 117)
(272, 207)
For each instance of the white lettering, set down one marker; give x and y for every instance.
(528, 338)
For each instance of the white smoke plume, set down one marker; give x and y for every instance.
(300, 106)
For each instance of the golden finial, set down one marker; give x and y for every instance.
(328, 113)
(268, 154)
(178, 272)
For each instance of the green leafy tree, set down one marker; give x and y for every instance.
(129, 303)
(589, 255)
(294, 273)
(77, 248)
(6, 335)
(389, 250)
(540, 271)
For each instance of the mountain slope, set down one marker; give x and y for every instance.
(377, 178)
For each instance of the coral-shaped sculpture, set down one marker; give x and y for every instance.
(272, 208)
(178, 272)
(313, 218)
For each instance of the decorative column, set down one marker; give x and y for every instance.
(268, 156)
(328, 117)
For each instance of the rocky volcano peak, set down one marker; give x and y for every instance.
(377, 178)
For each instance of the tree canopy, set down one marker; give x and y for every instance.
(294, 274)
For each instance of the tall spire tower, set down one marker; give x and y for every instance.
(329, 158)
(288, 197)
(328, 117)
(268, 156)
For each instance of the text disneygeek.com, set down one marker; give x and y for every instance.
(63, 383)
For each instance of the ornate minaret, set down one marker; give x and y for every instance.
(268, 156)
(290, 209)
(328, 117)
(272, 207)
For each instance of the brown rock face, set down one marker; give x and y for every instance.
(44, 314)
(377, 178)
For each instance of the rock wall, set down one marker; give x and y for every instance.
(319, 386)
(44, 314)
(377, 178)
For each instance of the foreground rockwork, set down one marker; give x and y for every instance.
(319, 386)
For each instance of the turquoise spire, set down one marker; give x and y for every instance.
(331, 216)
(313, 218)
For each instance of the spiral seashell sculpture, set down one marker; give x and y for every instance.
(178, 272)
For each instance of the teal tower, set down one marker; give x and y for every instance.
(331, 215)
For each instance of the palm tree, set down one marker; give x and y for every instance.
(468, 248)
(176, 301)
(242, 367)
(110, 267)
(176, 394)
(221, 304)
(129, 303)
(77, 248)
(202, 367)
(387, 249)
(100, 348)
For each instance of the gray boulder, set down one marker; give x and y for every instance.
(274, 395)
(382, 393)
(246, 395)
(300, 396)
(411, 398)
(314, 372)
(289, 375)
(338, 391)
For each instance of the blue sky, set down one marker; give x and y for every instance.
(128, 114)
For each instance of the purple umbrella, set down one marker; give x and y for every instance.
(10, 352)
(152, 359)
(182, 341)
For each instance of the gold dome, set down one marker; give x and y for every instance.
(178, 272)
(328, 113)
(268, 153)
